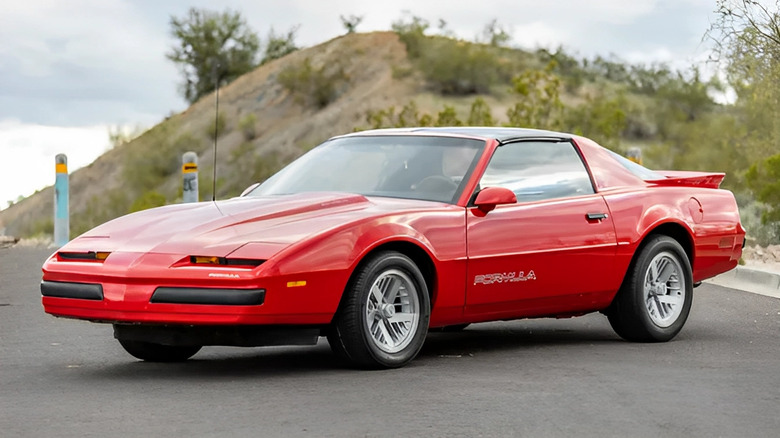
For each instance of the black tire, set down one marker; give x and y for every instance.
(654, 311)
(350, 335)
(449, 328)
(157, 352)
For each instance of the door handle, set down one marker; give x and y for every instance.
(596, 216)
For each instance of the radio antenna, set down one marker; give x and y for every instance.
(216, 132)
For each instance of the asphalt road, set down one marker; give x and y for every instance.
(719, 377)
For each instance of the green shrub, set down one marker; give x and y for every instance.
(409, 116)
(411, 31)
(146, 168)
(763, 178)
(448, 117)
(217, 126)
(459, 68)
(480, 114)
(600, 118)
(247, 126)
(313, 86)
(148, 200)
(40, 228)
(451, 66)
(540, 104)
(99, 209)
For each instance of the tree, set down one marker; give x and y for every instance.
(277, 46)
(495, 34)
(746, 40)
(211, 47)
(745, 29)
(351, 23)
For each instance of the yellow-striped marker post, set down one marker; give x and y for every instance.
(189, 177)
(61, 203)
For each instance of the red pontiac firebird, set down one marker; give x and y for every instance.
(373, 238)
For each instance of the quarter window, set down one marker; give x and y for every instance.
(538, 170)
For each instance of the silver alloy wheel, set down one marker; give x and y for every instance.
(664, 289)
(392, 311)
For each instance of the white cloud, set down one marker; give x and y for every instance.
(539, 34)
(27, 154)
(64, 54)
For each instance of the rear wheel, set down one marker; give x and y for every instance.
(383, 317)
(656, 296)
(151, 352)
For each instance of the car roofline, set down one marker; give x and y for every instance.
(502, 135)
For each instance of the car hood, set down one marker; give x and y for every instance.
(218, 228)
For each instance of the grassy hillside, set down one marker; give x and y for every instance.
(403, 78)
(262, 126)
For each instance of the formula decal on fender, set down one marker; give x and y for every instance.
(506, 277)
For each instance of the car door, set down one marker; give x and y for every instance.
(550, 253)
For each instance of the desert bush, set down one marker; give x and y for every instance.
(150, 163)
(600, 118)
(247, 126)
(409, 116)
(351, 22)
(217, 126)
(411, 31)
(452, 66)
(457, 67)
(100, 209)
(148, 200)
(279, 45)
(763, 178)
(313, 86)
(540, 104)
(480, 114)
(39, 228)
(448, 117)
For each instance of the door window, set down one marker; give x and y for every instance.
(538, 170)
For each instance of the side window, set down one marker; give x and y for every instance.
(537, 170)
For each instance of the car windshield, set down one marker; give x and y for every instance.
(413, 167)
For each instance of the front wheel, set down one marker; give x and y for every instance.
(383, 317)
(151, 352)
(656, 296)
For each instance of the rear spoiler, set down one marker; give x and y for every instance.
(689, 179)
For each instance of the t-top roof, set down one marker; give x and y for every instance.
(501, 134)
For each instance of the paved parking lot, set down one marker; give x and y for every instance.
(719, 377)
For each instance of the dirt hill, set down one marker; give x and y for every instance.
(263, 125)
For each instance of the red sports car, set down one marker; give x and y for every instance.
(372, 238)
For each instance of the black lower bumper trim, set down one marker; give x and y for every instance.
(223, 297)
(82, 291)
(231, 335)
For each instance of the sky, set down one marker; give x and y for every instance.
(69, 70)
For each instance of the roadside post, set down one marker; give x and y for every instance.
(189, 172)
(61, 203)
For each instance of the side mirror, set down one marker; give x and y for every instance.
(249, 189)
(489, 197)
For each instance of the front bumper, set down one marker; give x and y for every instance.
(151, 289)
(170, 295)
(142, 303)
